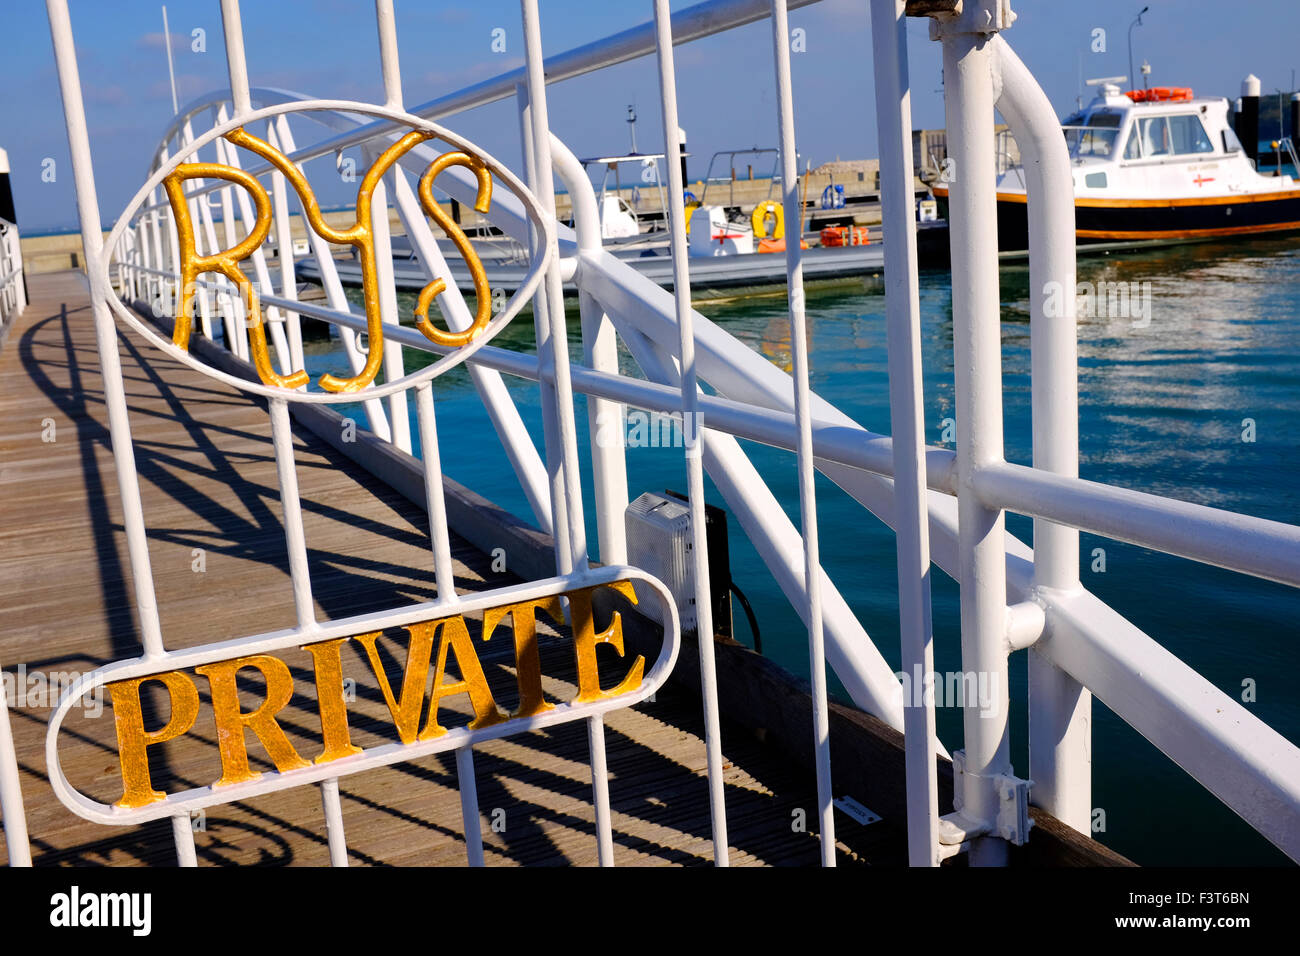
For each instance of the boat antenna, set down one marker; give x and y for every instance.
(1137, 22)
(171, 67)
(631, 124)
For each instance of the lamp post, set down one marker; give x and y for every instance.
(1137, 22)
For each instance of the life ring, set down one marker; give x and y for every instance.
(687, 209)
(758, 219)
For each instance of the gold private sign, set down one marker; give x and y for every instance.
(441, 662)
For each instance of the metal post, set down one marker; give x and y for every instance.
(1060, 708)
(492, 391)
(284, 244)
(435, 502)
(803, 421)
(11, 793)
(335, 295)
(545, 386)
(600, 352)
(469, 805)
(399, 420)
(907, 423)
(92, 238)
(691, 432)
(553, 355)
(183, 835)
(977, 349)
(329, 796)
(291, 504)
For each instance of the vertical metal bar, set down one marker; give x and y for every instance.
(334, 833)
(284, 244)
(553, 353)
(92, 238)
(272, 320)
(435, 502)
(173, 246)
(600, 351)
(506, 421)
(390, 67)
(551, 444)
(334, 294)
(11, 792)
(803, 421)
(469, 805)
(691, 431)
(1060, 708)
(171, 66)
(907, 423)
(234, 303)
(389, 62)
(146, 258)
(295, 538)
(977, 351)
(210, 235)
(183, 835)
(600, 791)
(200, 202)
(237, 66)
(399, 419)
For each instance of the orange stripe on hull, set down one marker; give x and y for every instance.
(1184, 233)
(1236, 199)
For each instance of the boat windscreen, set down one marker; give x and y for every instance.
(1092, 134)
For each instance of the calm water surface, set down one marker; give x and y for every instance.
(1161, 410)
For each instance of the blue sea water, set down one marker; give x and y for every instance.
(1163, 408)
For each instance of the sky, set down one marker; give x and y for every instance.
(328, 48)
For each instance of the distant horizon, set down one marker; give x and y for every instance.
(328, 48)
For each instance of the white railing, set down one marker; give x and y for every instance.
(13, 296)
(1077, 645)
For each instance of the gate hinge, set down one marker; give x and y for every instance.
(970, 16)
(1012, 824)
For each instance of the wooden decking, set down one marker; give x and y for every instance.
(209, 490)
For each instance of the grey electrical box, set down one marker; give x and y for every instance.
(659, 541)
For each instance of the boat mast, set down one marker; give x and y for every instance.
(171, 67)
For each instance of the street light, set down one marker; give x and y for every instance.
(1137, 22)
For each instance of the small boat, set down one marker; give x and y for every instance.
(1154, 166)
(731, 252)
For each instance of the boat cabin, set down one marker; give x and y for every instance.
(1155, 144)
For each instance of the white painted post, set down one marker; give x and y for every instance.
(600, 351)
(334, 833)
(977, 350)
(1060, 708)
(183, 835)
(691, 429)
(803, 421)
(11, 793)
(492, 391)
(284, 250)
(92, 238)
(907, 422)
(553, 356)
(546, 385)
(334, 294)
(469, 805)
